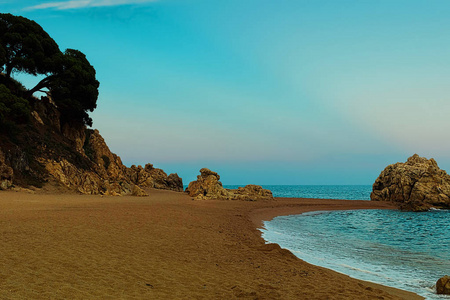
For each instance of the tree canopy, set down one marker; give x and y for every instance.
(70, 78)
(75, 88)
(12, 108)
(26, 47)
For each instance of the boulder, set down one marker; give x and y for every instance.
(417, 185)
(174, 182)
(208, 186)
(443, 285)
(252, 192)
(138, 191)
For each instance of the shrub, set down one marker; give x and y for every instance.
(12, 107)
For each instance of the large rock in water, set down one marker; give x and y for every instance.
(417, 185)
(208, 186)
(443, 285)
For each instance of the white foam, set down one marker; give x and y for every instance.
(357, 260)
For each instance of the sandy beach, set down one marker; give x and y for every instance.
(165, 246)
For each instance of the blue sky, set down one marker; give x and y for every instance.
(265, 92)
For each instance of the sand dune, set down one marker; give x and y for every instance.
(165, 246)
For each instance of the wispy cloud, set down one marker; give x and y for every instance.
(75, 4)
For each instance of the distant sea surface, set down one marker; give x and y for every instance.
(348, 192)
(345, 192)
(405, 250)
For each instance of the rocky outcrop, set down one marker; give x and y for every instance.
(208, 186)
(85, 182)
(175, 182)
(73, 157)
(108, 175)
(76, 133)
(109, 165)
(96, 170)
(6, 173)
(154, 178)
(88, 181)
(418, 184)
(252, 192)
(36, 148)
(443, 285)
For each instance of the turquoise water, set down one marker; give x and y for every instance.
(349, 192)
(405, 250)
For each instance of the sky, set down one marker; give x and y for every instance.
(263, 92)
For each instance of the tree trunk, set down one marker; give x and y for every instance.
(8, 71)
(42, 84)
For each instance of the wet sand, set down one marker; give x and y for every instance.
(165, 246)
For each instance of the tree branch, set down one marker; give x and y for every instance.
(42, 84)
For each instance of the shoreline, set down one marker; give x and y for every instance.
(261, 215)
(163, 246)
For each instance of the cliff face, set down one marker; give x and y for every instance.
(418, 184)
(72, 156)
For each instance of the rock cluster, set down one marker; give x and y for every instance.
(208, 186)
(443, 285)
(252, 192)
(154, 178)
(417, 185)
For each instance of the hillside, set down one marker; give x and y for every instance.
(37, 150)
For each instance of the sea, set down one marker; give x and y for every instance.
(405, 250)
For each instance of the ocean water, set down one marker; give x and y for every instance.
(406, 250)
(349, 192)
